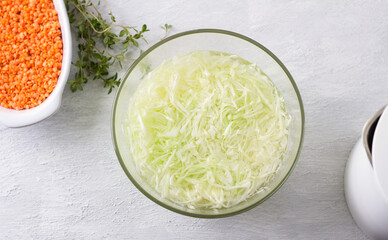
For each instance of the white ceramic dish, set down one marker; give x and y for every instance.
(366, 183)
(20, 118)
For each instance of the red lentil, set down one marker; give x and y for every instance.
(30, 52)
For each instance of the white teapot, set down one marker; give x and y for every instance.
(366, 177)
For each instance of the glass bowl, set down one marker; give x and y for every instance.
(216, 40)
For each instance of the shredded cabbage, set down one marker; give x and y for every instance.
(207, 129)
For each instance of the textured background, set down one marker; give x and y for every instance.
(61, 179)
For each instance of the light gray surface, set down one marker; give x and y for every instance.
(61, 179)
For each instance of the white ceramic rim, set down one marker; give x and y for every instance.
(20, 118)
(380, 153)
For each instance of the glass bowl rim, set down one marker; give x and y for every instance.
(143, 55)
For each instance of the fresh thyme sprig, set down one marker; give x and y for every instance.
(166, 27)
(98, 43)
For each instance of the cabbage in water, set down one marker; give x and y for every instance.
(207, 129)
